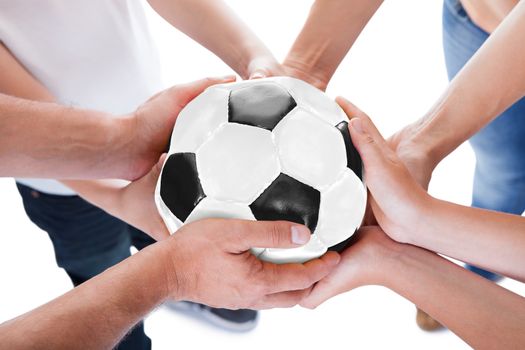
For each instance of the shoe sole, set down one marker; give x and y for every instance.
(195, 311)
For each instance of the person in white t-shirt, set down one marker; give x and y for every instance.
(98, 54)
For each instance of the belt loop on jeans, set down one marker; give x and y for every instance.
(456, 7)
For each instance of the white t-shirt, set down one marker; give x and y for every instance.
(95, 54)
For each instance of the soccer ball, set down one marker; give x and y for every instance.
(267, 149)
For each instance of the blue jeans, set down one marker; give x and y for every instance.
(86, 240)
(499, 178)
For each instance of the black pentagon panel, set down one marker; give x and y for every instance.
(262, 105)
(353, 159)
(180, 187)
(290, 200)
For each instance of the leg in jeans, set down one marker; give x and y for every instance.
(86, 240)
(499, 179)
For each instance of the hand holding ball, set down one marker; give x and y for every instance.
(267, 149)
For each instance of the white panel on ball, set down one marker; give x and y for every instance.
(311, 250)
(212, 208)
(310, 150)
(342, 209)
(313, 99)
(171, 221)
(237, 163)
(199, 119)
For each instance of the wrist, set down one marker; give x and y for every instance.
(386, 261)
(127, 159)
(172, 265)
(137, 286)
(307, 67)
(249, 56)
(396, 265)
(432, 133)
(415, 146)
(415, 228)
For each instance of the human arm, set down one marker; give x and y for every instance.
(132, 202)
(48, 140)
(45, 139)
(330, 31)
(489, 83)
(488, 14)
(215, 26)
(408, 214)
(206, 261)
(483, 314)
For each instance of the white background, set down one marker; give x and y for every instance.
(394, 72)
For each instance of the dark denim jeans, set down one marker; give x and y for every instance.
(86, 240)
(499, 178)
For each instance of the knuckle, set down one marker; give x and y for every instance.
(306, 281)
(369, 140)
(260, 282)
(366, 117)
(269, 279)
(276, 232)
(275, 235)
(302, 281)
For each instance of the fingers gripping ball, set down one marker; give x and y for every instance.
(268, 149)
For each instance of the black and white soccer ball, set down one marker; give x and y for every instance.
(267, 149)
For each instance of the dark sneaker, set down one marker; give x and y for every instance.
(242, 320)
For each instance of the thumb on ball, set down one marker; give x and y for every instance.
(368, 141)
(272, 234)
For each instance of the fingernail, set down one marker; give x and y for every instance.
(336, 260)
(227, 77)
(343, 99)
(300, 235)
(357, 125)
(257, 75)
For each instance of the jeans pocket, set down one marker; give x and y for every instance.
(453, 9)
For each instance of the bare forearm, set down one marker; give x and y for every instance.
(48, 140)
(485, 238)
(108, 305)
(130, 202)
(462, 301)
(490, 82)
(102, 193)
(215, 26)
(329, 32)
